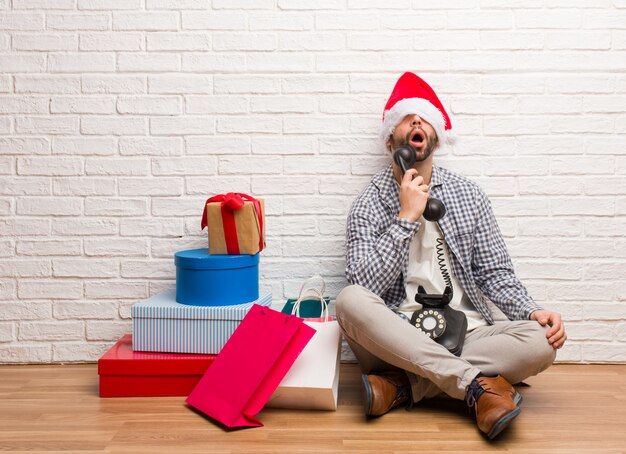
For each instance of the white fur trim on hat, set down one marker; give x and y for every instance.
(421, 107)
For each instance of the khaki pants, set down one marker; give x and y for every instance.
(381, 340)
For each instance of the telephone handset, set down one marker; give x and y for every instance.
(405, 158)
(440, 322)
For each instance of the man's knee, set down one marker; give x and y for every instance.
(355, 302)
(541, 352)
(348, 299)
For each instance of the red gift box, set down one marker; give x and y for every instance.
(126, 373)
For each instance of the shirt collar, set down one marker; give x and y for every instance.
(438, 177)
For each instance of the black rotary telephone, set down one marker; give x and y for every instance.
(440, 322)
(436, 318)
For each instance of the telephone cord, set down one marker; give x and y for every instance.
(441, 261)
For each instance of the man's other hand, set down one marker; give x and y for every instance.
(556, 334)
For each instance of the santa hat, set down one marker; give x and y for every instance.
(412, 95)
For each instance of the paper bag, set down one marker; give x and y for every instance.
(312, 383)
(308, 302)
(250, 366)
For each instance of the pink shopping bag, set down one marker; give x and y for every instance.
(250, 366)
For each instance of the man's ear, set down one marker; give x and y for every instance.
(388, 144)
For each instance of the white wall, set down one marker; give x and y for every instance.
(118, 118)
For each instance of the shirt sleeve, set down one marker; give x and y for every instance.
(375, 249)
(493, 268)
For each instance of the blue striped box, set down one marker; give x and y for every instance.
(160, 324)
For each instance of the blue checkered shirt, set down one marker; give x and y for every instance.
(378, 241)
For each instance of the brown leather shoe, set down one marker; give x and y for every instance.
(385, 391)
(495, 402)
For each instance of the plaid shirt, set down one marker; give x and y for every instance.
(378, 244)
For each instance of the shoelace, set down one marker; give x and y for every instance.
(474, 391)
(405, 391)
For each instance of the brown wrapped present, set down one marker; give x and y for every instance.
(236, 224)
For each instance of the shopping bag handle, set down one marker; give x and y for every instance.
(313, 284)
(316, 295)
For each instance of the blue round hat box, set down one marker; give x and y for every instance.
(203, 279)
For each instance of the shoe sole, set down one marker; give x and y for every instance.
(503, 423)
(367, 395)
(518, 399)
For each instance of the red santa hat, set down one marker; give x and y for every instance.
(412, 95)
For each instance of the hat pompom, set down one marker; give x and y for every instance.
(451, 137)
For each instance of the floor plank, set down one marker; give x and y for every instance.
(56, 408)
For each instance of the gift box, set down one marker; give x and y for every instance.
(160, 324)
(127, 373)
(203, 279)
(235, 224)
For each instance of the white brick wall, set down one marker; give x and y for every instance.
(118, 118)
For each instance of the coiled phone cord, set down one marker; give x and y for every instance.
(441, 261)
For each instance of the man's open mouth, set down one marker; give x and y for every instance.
(417, 138)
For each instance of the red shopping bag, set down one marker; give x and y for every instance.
(250, 366)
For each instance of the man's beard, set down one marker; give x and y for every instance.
(427, 148)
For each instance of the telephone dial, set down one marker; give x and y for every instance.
(436, 318)
(440, 322)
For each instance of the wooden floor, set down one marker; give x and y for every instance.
(567, 409)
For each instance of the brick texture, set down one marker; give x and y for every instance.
(118, 118)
